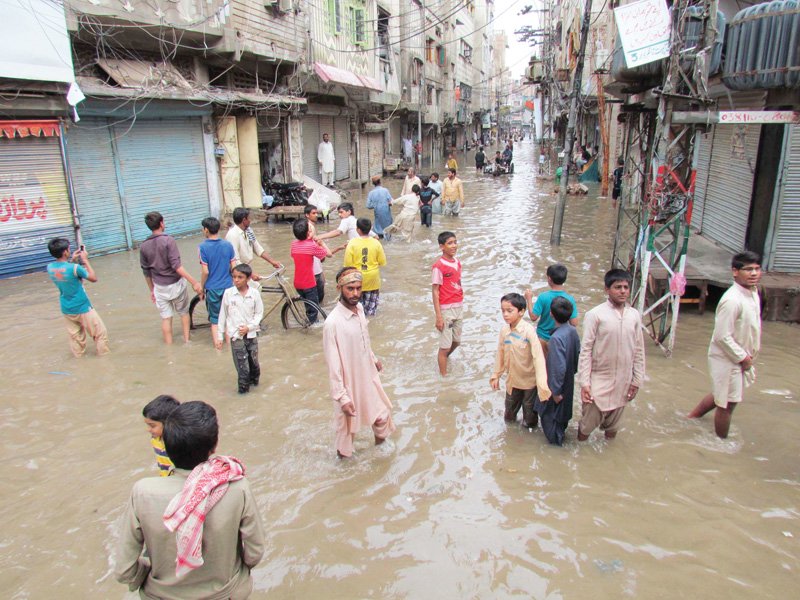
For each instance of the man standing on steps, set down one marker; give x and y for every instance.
(326, 160)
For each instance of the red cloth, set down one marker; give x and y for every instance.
(186, 513)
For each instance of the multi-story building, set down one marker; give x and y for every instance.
(191, 107)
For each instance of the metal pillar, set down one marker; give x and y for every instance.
(666, 205)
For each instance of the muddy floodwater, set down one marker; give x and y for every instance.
(457, 504)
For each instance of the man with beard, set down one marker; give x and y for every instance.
(356, 390)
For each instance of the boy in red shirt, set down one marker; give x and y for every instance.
(303, 251)
(448, 298)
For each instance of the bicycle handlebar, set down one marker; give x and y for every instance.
(275, 273)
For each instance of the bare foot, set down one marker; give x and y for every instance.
(610, 435)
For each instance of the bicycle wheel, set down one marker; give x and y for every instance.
(198, 314)
(294, 314)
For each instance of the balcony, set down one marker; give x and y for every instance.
(199, 23)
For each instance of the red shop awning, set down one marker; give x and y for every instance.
(12, 129)
(328, 73)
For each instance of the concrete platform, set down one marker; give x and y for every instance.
(709, 265)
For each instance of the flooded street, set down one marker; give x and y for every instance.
(456, 504)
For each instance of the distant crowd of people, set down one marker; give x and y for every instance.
(165, 549)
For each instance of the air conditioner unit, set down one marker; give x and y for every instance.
(283, 6)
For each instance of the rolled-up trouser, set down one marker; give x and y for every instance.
(79, 325)
(451, 207)
(245, 359)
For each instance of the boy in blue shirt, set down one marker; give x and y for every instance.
(562, 364)
(68, 275)
(540, 311)
(217, 258)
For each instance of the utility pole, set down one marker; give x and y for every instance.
(569, 141)
(421, 92)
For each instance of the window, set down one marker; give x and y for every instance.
(441, 56)
(429, 50)
(465, 51)
(416, 71)
(430, 95)
(358, 28)
(335, 16)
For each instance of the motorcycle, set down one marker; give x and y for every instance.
(499, 167)
(293, 193)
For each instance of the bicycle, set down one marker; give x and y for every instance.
(294, 312)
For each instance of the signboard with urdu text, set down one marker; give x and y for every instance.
(644, 28)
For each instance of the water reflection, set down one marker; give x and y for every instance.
(457, 504)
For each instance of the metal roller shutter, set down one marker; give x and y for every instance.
(269, 130)
(34, 203)
(94, 179)
(311, 139)
(704, 143)
(162, 164)
(786, 256)
(730, 184)
(340, 130)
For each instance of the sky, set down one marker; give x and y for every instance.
(507, 19)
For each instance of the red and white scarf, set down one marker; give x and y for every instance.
(205, 486)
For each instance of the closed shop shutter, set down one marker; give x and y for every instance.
(786, 256)
(94, 179)
(162, 164)
(703, 142)
(341, 145)
(34, 203)
(371, 159)
(271, 132)
(363, 157)
(730, 184)
(311, 139)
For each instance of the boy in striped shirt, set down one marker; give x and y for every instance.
(155, 413)
(303, 251)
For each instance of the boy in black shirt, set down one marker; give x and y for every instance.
(426, 196)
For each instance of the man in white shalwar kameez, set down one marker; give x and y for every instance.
(405, 223)
(358, 396)
(326, 160)
(734, 344)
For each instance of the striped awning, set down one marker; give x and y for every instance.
(12, 129)
(329, 73)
